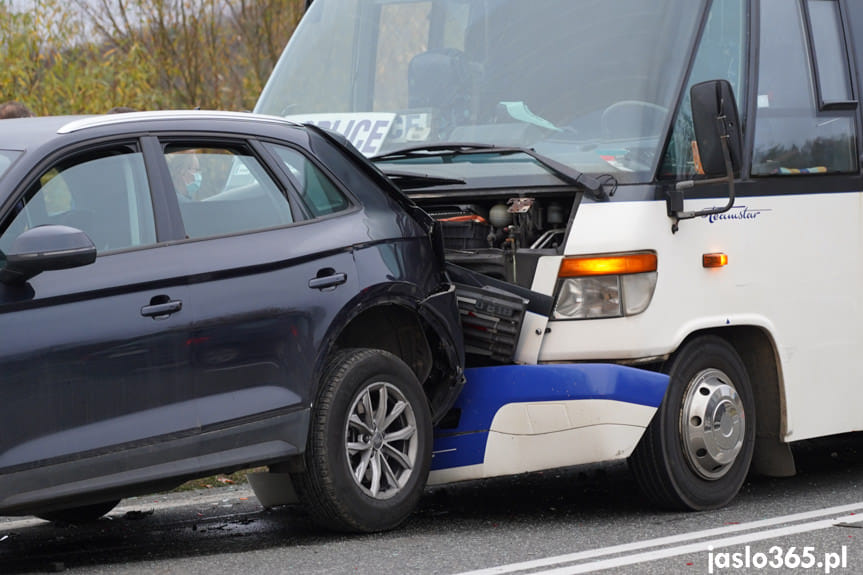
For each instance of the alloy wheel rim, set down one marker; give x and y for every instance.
(381, 440)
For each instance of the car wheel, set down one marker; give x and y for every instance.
(695, 454)
(369, 448)
(83, 514)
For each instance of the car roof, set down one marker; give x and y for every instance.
(193, 115)
(23, 133)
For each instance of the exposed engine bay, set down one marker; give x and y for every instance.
(503, 236)
(493, 246)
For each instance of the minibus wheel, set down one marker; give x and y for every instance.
(369, 449)
(695, 454)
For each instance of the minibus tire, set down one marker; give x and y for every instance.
(699, 469)
(328, 487)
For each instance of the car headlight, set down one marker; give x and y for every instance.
(605, 286)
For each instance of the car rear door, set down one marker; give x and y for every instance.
(269, 270)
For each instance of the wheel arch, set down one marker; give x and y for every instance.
(757, 349)
(401, 328)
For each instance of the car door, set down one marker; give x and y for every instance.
(93, 360)
(268, 275)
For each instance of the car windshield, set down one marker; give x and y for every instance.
(590, 84)
(6, 159)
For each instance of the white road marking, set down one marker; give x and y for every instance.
(700, 547)
(681, 548)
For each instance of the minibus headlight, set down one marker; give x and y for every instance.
(605, 286)
(582, 298)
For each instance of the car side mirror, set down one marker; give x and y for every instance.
(718, 138)
(43, 248)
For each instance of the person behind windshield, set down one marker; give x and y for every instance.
(186, 174)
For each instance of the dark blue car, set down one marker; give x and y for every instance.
(183, 293)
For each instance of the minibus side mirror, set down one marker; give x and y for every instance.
(714, 117)
(718, 140)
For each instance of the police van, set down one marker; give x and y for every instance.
(653, 210)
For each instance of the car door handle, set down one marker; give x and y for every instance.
(327, 278)
(159, 308)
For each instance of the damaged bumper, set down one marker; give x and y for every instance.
(520, 418)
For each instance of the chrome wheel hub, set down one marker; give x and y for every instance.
(712, 424)
(381, 440)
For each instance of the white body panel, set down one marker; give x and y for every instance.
(530, 337)
(794, 270)
(528, 437)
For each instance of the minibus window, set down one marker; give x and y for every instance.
(830, 55)
(792, 135)
(720, 56)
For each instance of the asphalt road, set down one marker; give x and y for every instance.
(570, 521)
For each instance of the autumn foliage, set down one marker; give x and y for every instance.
(87, 56)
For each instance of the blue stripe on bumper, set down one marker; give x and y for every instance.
(490, 388)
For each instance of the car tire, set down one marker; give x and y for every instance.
(82, 514)
(369, 448)
(695, 454)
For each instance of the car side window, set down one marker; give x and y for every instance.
(795, 133)
(105, 195)
(317, 192)
(224, 190)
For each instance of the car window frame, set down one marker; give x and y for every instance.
(232, 141)
(354, 202)
(76, 153)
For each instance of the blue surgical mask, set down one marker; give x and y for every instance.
(193, 187)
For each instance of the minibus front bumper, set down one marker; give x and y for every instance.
(519, 418)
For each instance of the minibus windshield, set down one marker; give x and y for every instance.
(6, 159)
(591, 84)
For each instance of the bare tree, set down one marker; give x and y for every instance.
(204, 53)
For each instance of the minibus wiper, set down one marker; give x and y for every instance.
(566, 173)
(430, 150)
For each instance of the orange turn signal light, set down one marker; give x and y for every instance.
(716, 260)
(607, 265)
